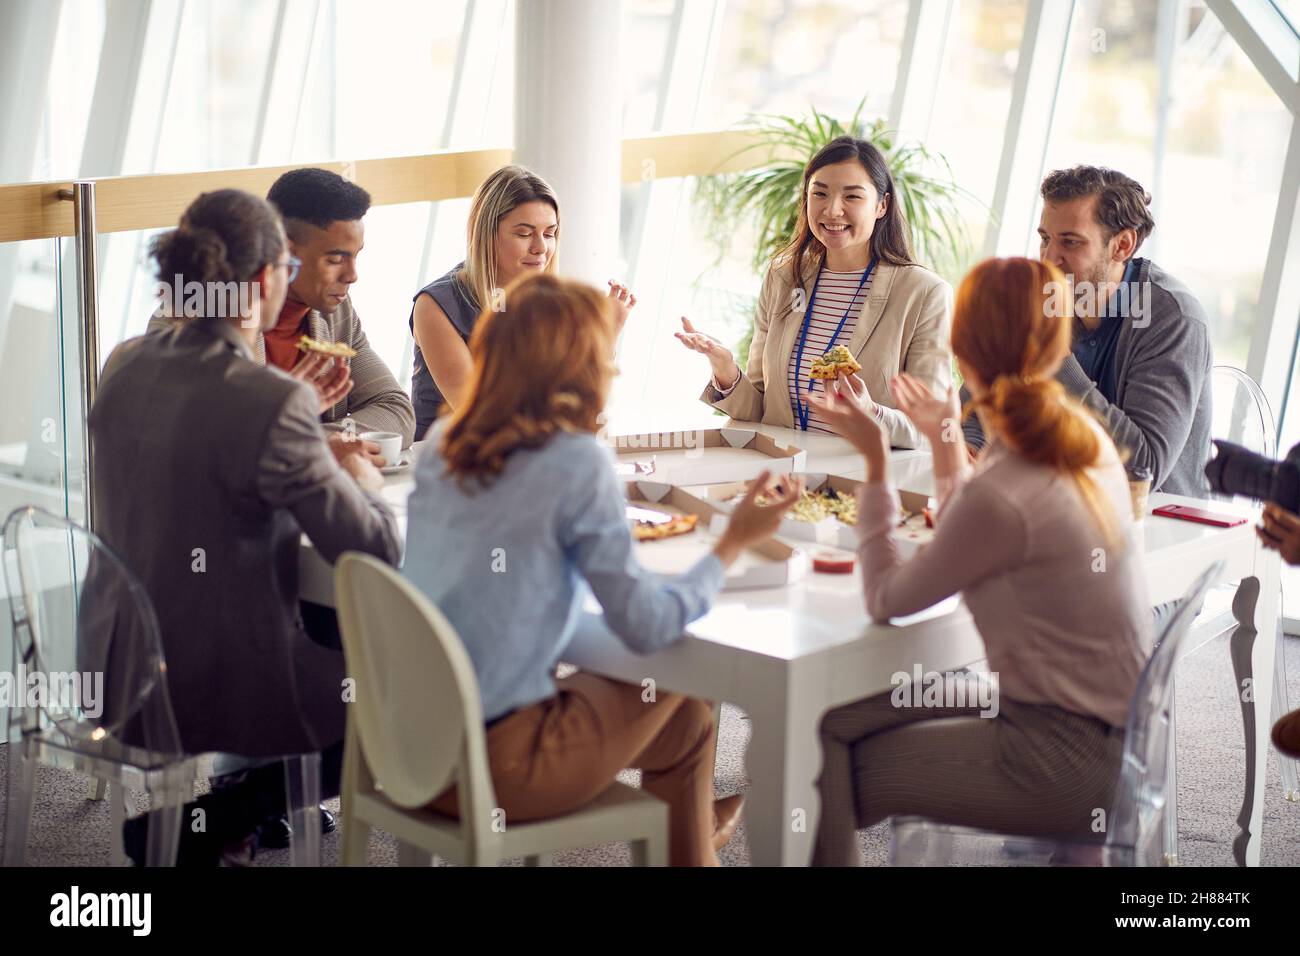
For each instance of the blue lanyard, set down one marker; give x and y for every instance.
(800, 405)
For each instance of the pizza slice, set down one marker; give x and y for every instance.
(830, 365)
(335, 349)
(662, 526)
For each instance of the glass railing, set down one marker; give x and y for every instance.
(40, 430)
(39, 461)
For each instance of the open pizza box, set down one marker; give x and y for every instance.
(910, 535)
(702, 456)
(769, 564)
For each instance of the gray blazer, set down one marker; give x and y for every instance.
(376, 402)
(208, 469)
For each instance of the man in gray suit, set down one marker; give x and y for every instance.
(209, 467)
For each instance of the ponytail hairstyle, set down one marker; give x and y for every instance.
(891, 237)
(225, 236)
(542, 365)
(499, 195)
(1011, 328)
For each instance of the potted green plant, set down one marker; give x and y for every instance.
(767, 197)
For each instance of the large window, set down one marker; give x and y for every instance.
(1160, 90)
(778, 56)
(972, 104)
(1211, 154)
(732, 61)
(228, 83)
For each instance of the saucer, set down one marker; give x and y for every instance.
(403, 463)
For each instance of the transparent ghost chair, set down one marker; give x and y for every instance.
(1242, 415)
(93, 675)
(1133, 827)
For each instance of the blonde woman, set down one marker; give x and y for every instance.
(518, 467)
(513, 230)
(1018, 536)
(847, 277)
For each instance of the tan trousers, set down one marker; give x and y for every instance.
(1033, 769)
(560, 754)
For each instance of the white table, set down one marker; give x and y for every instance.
(786, 655)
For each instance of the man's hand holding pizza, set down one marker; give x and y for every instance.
(331, 384)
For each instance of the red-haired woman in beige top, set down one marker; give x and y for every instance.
(1036, 537)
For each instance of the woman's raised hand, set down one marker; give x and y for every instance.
(752, 522)
(849, 385)
(725, 370)
(938, 418)
(854, 421)
(624, 301)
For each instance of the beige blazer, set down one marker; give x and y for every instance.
(904, 325)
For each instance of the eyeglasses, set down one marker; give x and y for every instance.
(293, 264)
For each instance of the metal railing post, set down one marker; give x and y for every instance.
(82, 195)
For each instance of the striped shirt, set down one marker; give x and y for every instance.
(836, 292)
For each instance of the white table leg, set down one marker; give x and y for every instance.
(1253, 649)
(784, 704)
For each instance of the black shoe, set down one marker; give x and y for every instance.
(276, 833)
(223, 837)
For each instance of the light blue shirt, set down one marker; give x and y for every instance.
(506, 564)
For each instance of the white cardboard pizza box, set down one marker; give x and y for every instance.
(769, 564)
(914, 534)
(830, 530)
(724, 494)
(704, 456)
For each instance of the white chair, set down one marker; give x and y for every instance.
(416, 726)
(1134, 830)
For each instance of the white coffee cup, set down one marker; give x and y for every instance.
(390, 445)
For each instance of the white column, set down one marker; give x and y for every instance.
(568, 122)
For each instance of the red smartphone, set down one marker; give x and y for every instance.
(1188, 513)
